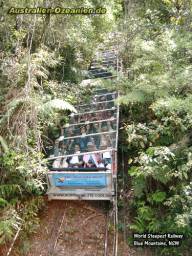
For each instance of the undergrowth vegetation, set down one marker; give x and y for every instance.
(156, 115)
(43, 59)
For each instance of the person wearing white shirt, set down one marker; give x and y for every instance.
(75, 161)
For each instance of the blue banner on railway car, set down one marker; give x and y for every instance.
(79, 179)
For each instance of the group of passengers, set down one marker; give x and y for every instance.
(91, 117)
(89, 128)
(90, 159)
(102, 97)
(67, 146)
(107, 97)
(84, 141)
(96, 106)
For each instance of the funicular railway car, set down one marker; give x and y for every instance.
(84, 160)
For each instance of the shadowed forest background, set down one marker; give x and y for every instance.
(44, 58)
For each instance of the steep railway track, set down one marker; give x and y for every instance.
(92, 232)
(78, 228)
(74, 228)
(95, 235)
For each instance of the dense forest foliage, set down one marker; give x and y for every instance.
(156, 100)
(43, 60)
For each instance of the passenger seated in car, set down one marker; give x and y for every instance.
(104, 128)
(104, 125)
(73, 119)
(82, 118)
(75, 131)
(60, 163)
(105, 115)
(60, 148)
(83, 139)
(111, 115)
(91, 159)
(106, 156)
(110, 126)
(83, 131)
(90, 117)
(105, 139)
(56, 163)
(88, 128)
(101, 106)
(101, 162)
(95, 139)
(70, 145)
(99, 115)
(111, 96)
(56, 147)
(101, 98)
(76, 161)
(96, 128)
(69, 132)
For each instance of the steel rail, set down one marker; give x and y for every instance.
(13, 242)
(117, 125)
(115, 208)
(60, 215)
(106, 236)
(116, 184)
(116, 223)
(53, 246)
(57, 237)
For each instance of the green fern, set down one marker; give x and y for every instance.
(3, 202)
(8, 190)
(58, 104)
